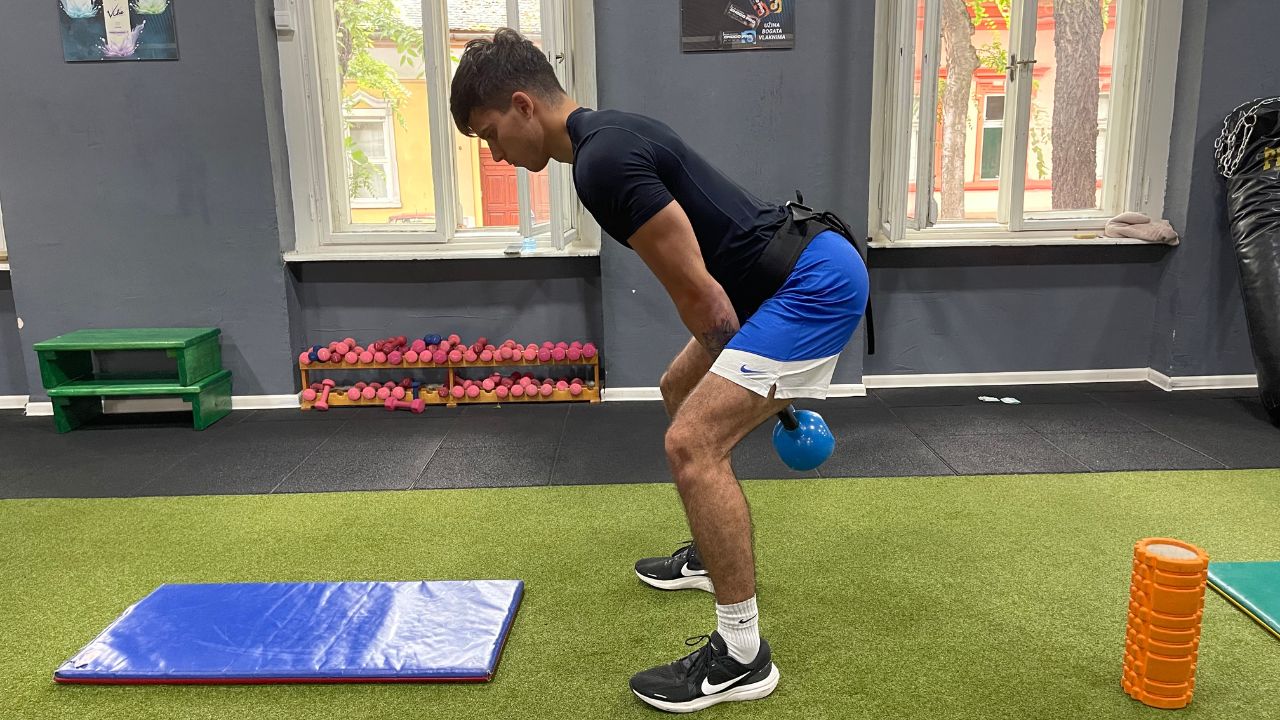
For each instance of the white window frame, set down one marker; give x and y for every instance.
(378, 112)
(1141, 113)
(312, 115)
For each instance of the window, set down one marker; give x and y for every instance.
(1031, 119)
(377, 167)
(372, 177)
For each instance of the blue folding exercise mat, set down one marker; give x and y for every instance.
(437, 631)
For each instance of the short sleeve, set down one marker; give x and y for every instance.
(616, 175)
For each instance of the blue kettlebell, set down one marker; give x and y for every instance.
(802, 439)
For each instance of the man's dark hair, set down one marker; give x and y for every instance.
(491, 70)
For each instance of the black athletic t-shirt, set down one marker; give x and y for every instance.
(627, 167)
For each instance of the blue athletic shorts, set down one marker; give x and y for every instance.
(794, 339)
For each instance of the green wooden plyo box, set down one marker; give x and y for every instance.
(66, 370)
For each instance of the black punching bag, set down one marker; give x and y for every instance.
(1248, 153)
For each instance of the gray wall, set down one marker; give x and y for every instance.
(1004, 309)
(773, 120)
(13, 377)
(1200, 328)
(142, 194)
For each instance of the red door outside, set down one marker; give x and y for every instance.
(501, 198)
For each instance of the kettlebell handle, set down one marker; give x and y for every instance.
(788, 418)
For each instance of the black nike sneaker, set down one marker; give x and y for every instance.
(683, 569)
(705, 677)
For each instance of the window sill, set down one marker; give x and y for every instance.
(1058, 241)
(465, 253)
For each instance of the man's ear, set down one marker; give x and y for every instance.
(522, 103)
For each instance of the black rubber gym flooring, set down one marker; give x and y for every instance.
(889, 433)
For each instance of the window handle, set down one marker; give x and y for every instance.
(1015, 63)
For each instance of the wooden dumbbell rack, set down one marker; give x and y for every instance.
(338, 396)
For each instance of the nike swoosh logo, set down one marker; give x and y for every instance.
(744, 622)
(685, 571)
(748, 371)
(709, 688)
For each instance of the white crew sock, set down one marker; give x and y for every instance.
(739, 625)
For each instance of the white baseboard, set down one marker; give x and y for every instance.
(630, 394)
(14, 402)
(633, 394)
(1201, 382)
(1006, 378)
(39, 409)
(112, 406)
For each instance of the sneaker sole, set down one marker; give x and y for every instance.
(697, 582)
(754, 691)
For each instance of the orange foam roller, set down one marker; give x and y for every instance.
(1162, 636)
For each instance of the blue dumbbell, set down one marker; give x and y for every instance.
(802, 439)
(431, 339)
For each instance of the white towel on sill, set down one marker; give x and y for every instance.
(1139, 226)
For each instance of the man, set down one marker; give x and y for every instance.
(770, 297)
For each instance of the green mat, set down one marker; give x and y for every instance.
(964, 598)
(1254, 587)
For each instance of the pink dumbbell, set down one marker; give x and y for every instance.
(471, 356)
(575, 389)
(379, 357)
(323, 354)
(517, 391)
(443, 391)
(573, 354)
(486, 356)
(458, 391)
(366, 357)
(384, 392)
(350, 357)
(473, 391)
(368, 392)
(322, 404)
(416, 406)
(588, 351)
(559, 354)
(454, 339)
(547, 389)
(418, 345)
(309, 395)
(455, 356)
(353, 393)
(304, 358)
(548, 344)
(341, 348)
(395, 358)
(440, 357)
(562, 385)
(487, 385)
(502, 391)
(411, 357)
(398, 393)
(544, 354)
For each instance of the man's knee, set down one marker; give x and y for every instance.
(688, 453)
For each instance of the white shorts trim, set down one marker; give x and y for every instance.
(793, 378)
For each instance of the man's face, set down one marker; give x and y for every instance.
(515, 135)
